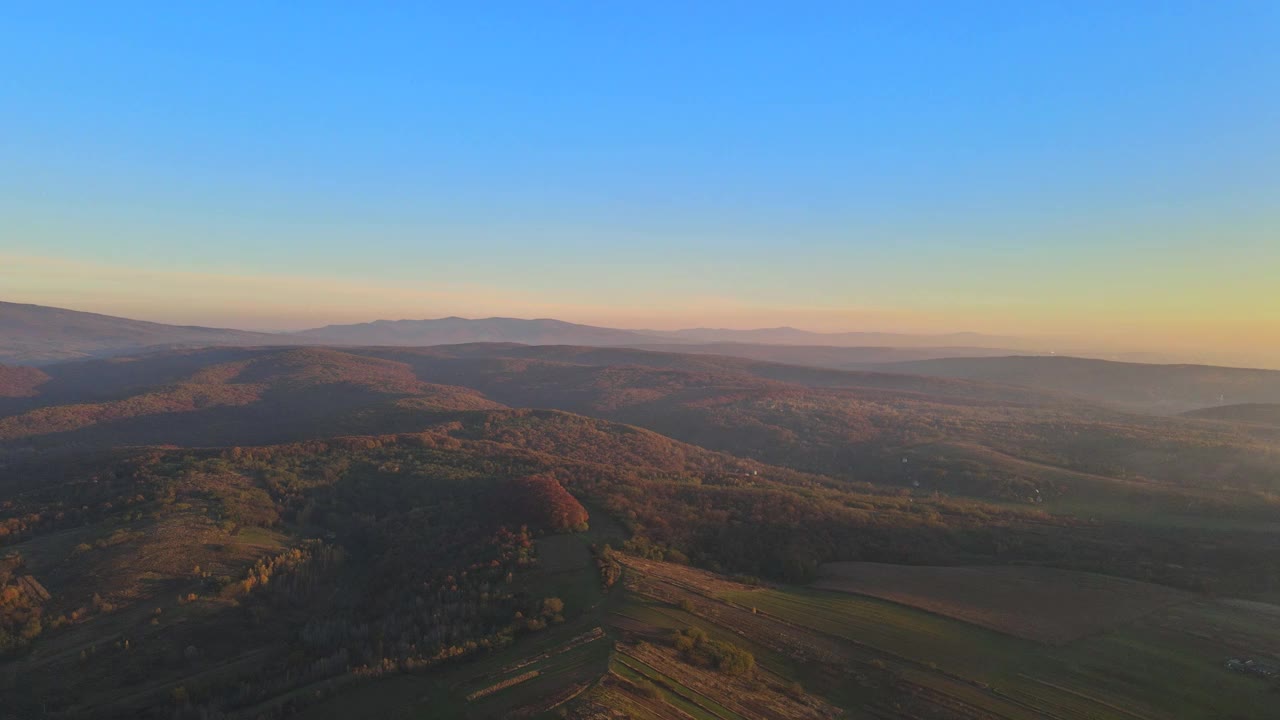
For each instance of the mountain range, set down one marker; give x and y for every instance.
(454, 330)
(795, 336)
(503, 530)
(35, 334)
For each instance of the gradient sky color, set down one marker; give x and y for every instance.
(1108, 171)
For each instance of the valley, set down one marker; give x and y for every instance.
(499, 530)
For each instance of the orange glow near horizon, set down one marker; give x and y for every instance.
(1192, 328)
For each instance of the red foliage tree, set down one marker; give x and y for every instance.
(541, 502)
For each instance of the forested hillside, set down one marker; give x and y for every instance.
(1258, 413)
(258, 532)
(1139, 387)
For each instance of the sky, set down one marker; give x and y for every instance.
(1103, 171)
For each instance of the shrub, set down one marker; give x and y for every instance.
(699, 649)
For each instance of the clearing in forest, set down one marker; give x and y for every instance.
(1043, 604)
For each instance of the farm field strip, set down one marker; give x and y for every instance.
(592, 635)
(564, 673)
(1083, 696)
(500, 686)
(677, 695)
(963, 699)
(939, 653)
(895, 630)
(843, 670)
(760, 695)
(918, 638)
(1035, 603)
(1166, 665)
(1154, 670)
(670, 618)
(792, 648)
(617, 691)
(787, 639)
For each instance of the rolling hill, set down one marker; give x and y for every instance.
(828, 356)
(1258, 413)
(20, 381)
(795, 336)
(34, 334)
(938, 434)
(494, 530)
(432, 573)
(1165, 389)
(861, 424)
(242, 396)
(721, 366)
(454, 330)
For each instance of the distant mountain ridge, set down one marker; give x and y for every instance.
(795, 336)
(35, 334)
(828, 356)
(457, 330)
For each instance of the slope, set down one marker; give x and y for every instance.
(270, 395)
(1258, 413)
(863, 425)
(464, 330)
(34, 334)
(1164, 389)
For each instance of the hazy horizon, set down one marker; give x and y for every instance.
(1073, 173)
(1033, 344)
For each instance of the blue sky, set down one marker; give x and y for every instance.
(1095, 167)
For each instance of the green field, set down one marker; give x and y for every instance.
(1156, 668)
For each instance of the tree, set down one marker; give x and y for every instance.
(545, 504)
